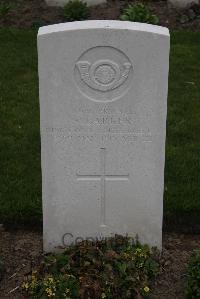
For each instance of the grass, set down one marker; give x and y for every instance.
(20, 173)
(182, 173)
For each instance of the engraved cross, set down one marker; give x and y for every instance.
(103, 177)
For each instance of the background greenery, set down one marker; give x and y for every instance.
(20, 172)
(182, 172)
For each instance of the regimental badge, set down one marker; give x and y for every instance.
(103, 73)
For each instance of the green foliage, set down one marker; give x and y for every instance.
(193, 285)
(182, 176)
(138, 13)
(112, 268)
(4, 9)
(20, 175)
(76, 10)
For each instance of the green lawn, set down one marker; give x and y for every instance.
(182, 173)
(20, 173)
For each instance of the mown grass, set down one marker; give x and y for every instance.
(182, 172)
(20, 173)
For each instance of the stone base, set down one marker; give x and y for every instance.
(63, 2)
(182, 3)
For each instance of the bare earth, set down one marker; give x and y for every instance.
(22, 251)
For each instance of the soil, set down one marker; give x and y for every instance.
(22, 252)
(35, 13)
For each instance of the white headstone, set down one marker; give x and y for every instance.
(182, 3)
(63, 2)
(103, 101)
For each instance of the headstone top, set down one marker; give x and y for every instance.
(103, 24)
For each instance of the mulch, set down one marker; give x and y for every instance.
(22, 252)
(35, 13)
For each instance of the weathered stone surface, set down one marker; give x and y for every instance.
(103, 101)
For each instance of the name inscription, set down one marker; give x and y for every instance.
(103, 125)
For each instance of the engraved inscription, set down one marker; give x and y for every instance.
(102, 136)
(103, 176)
(103, 74)
(104, 125)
